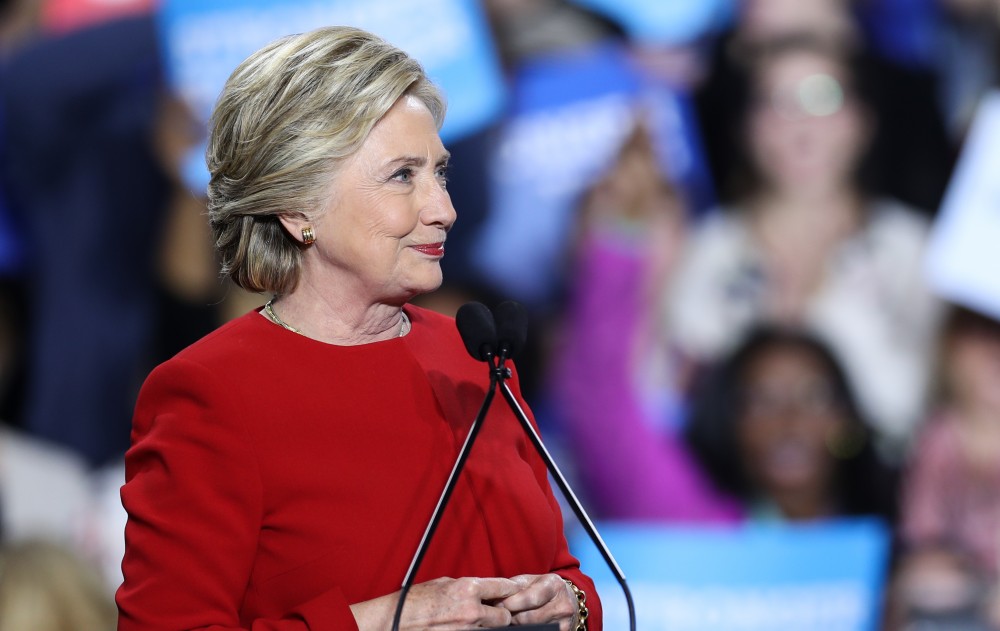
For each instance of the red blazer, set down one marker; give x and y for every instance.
(273, 480)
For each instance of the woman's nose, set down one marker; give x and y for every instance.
(438, 209)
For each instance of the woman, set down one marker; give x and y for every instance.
(773, 433)
(951, 509)
(283, 467)
(776, 426)
(774, 430)
(802, 241)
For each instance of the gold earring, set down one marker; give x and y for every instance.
(308, 235)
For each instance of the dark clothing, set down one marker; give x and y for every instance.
(85, 186)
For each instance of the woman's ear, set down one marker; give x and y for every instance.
(298, 227)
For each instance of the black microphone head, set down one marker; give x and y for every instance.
(478, 330)
(512, 326)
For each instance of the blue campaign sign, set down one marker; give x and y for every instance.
(666, 21)
(774, 577)
(203, 42)
(569, 113)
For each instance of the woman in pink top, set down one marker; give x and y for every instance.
(951, 510)
(775, 431)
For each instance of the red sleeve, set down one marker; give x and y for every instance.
(564, 563)
(193, 494)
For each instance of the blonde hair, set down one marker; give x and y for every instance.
(44, 587)
(287, 115)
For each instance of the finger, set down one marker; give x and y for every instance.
(492, 617)
(552, 611)
(492, 588)
(457, 604)
(537, 591)
(523, 580)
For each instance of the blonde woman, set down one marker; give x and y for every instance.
(283, 467)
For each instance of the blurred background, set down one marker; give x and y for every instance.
(757, 239)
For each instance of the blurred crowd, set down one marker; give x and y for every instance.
(725, 272)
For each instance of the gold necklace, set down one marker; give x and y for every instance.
(274, 317)
(404, 326)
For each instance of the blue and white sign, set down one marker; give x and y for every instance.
(963, 255)
(569, 114)
(667, 22)
(817, 577)
(203, 43)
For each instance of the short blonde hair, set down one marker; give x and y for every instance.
(287, 115)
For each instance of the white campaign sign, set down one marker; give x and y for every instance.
(963, 257)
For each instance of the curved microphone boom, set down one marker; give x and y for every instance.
(512, 333)
(494, 340)
(478, 330)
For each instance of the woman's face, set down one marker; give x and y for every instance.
(789, 413)
(805, 131)
(974, 368)
(381, 236)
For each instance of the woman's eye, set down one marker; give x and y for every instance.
(403, 175)
(442, 174)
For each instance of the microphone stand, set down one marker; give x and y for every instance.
(567, 491)
(499, 374)
(463, 455)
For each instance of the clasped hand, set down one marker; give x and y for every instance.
(458, 604)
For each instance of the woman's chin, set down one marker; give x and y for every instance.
(423, 286)
(790, 477)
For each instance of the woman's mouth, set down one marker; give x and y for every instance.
(431, 249)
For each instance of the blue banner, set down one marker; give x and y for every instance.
(203, 43)
(568, 116)
(670, 22)
(817, 577)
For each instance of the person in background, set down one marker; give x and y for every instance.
(950, 522)
(283, 467)
(89, 194)
(18, 25)
(777, 426)
(803, 242)
(773, 431)
(913, 168)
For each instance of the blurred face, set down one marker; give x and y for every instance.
(974, 368)
(382, 234)
(789, 412)
(767, 19)
(805, 131)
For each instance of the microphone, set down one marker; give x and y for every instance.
(493, 338)
(512, 328)
(478, 330)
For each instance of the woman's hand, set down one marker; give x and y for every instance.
(444, 604)
(543, 598)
